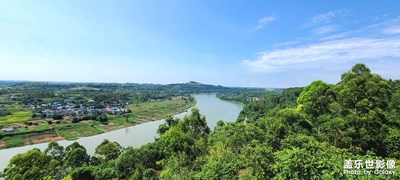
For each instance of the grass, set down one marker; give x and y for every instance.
(13, 141)
(159, 109)
(73, 131)
(18, 114)
(16, 117)
(40, 127)
(142, 112)
(120, 120)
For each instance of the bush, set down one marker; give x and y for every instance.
(75, 120)
(58, 117)
(103, 119)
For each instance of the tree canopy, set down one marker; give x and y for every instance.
(301, 133)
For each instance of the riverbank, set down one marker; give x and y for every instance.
(210, 106)
(140, 113)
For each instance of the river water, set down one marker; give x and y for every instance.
(209, 105)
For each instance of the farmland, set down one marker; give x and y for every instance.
(33, 112)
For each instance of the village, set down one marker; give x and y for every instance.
(59, 110)
(68, 108)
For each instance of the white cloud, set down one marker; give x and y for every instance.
(325, 23)
(383, 28)
(392, 30)
(336, 36)
(325, 29)
(345, 50)
(325, 18)
(372, 43)
(285, 44)
(263, 22)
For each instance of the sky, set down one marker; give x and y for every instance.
(231, 43)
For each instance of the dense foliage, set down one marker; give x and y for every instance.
(45, 92)
(259, 103)
(304, 134)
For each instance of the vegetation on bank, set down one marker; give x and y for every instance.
(258, 104)
(310, 137)
(70, 129)
(155, 110)
(72, 110)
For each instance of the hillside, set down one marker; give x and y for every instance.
(324, 131)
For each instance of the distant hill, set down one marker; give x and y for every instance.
(9, 83)
(177, 88)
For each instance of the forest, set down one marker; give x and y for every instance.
(44, 92)
(298, 133)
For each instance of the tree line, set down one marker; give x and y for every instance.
(307, 134)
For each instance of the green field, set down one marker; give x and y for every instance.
(73, 131)
(13, 141)
(159, 109)
(141, 112)
(18, 114)
(40, 127)
(120, 120)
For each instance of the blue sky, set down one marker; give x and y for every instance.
(230, 43)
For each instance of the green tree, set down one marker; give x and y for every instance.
(55, 150)
(311, 161)
(170, 122)
(315, 98)
(221, 163)
(31, 165)
(107, 150)
(86, 173)
(76, 156)
(195, 125)
(257, 160)
(177, 166)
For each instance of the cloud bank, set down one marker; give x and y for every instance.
(373, 42)
(352, 49)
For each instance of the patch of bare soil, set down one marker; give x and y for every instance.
(126, 124)
(87, 132)
(84, 123)
(45, 138)
(110, 127)
(146, 119)
(26, 141)
(20, 125)
(2, 144)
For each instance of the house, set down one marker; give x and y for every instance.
(70, 105)
(79, 112)
(13, 98)
(8, 129)
(115, 110)
(37, 115)
(48, 112)
(67, 101)
(107, 109)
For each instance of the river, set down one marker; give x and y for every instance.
(210, 106)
